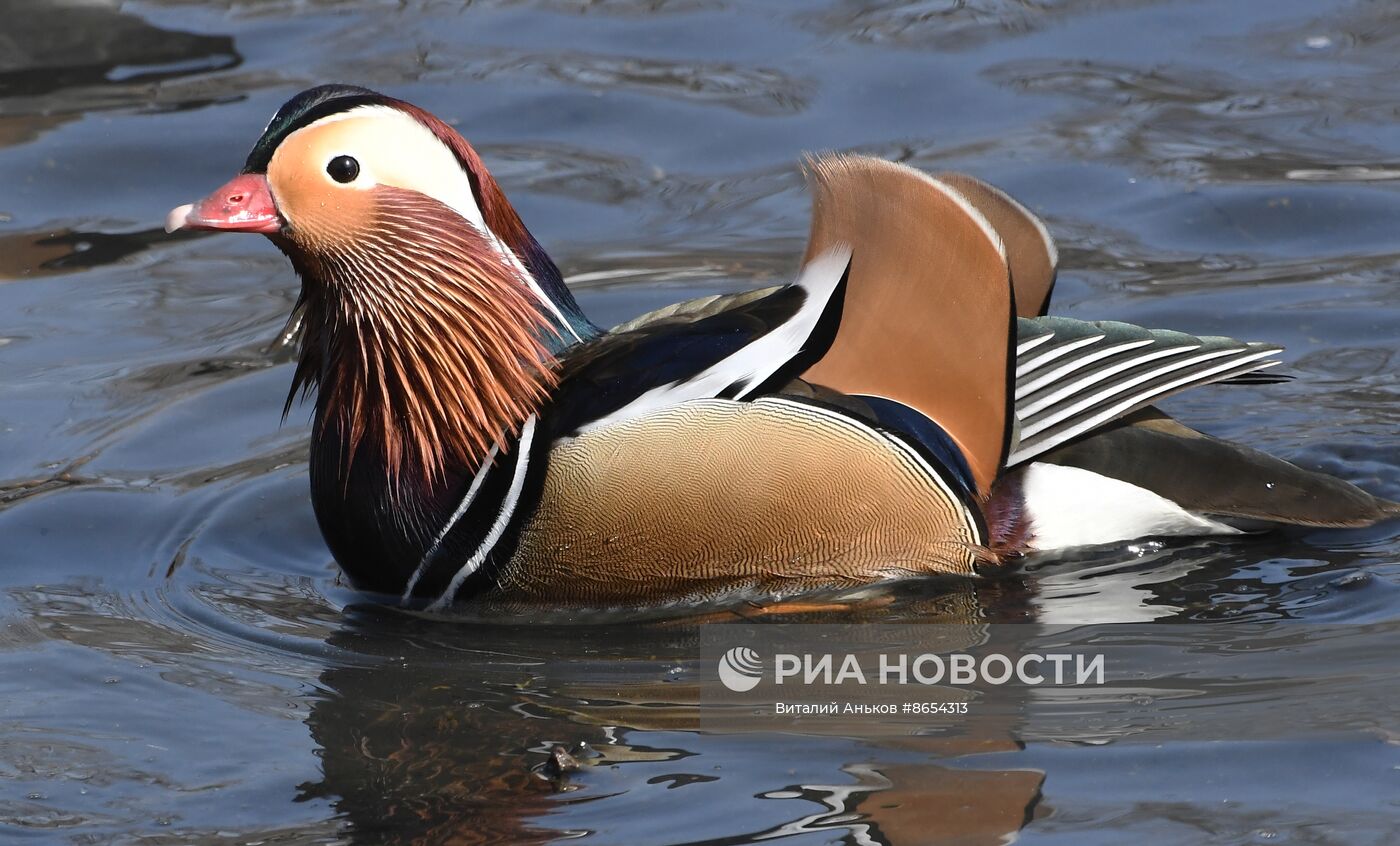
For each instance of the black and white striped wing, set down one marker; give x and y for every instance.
(1073, 376)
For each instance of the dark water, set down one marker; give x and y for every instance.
(179, 663)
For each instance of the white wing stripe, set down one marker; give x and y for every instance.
(1124, 406)
(1082, 384)
(1030, 430)
(1077, 364)
(1026, 346)
(1056, 352)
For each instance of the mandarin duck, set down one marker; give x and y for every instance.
(903, 407)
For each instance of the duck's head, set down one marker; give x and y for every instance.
(429, 309)
(336, 157)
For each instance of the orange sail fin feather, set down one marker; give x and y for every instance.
(1030, 251)
(928, 314)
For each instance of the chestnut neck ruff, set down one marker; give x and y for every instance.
(422, 344)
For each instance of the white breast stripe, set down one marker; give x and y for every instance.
(452, 521)
(517, 483)
(755, 362)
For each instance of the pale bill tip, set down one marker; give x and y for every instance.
(178, 217)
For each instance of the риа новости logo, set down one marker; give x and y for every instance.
(740, 669)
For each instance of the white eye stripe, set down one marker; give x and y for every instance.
(394, 148)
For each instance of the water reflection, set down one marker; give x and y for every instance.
(1208, 581)
(428, 730)
(61, 60)
(47, 252)
(432, 741)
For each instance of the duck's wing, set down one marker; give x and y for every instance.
(737, 347)
(1090, 443)
(1073, 376)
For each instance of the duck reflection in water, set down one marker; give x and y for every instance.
(440, 732)
(434, 731)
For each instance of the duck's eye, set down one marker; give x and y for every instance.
(343, 169)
